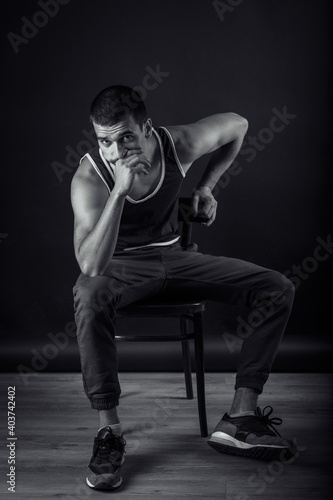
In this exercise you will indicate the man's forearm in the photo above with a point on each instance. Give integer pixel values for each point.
(97, 248)
(219, 162)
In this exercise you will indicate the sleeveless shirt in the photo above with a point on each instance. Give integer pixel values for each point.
(153, 219)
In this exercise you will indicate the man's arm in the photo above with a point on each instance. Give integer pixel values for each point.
(96, 222)
(222, 135)
(97, 215)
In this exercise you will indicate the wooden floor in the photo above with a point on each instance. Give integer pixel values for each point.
(166, 456)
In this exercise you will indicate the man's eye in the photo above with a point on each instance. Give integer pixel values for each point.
(105, 142)
(127, 138)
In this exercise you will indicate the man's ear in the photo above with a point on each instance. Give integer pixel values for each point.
(148, 128)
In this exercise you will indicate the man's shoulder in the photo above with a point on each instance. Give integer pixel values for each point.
(180, 137)
(86, 176)
(177, 132)
(84, 171)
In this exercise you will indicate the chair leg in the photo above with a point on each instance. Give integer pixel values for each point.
(200, 372)
(186, 359)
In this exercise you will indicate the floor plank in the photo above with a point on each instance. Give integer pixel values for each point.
(166, 456)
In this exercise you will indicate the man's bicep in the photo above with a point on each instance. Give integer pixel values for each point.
(209, 134)
(88, 205)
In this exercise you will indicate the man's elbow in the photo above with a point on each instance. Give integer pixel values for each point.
(89, 273)
(87, 267)
(242, 123)
(90, 270)
(245, 124)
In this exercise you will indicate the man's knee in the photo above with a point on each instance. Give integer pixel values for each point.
(278, 288)
(289, 287)
(283, 284)
(95, 292)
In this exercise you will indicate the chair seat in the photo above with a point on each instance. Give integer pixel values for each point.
(162, 307)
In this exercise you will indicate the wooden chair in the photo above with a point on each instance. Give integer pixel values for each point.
(188, 312)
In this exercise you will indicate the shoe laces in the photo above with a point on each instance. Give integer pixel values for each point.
(263, 418)
(107, 445)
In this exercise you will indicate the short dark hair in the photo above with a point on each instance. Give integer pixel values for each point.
(115, 103)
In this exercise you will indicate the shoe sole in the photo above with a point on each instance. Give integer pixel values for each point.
(266, 453)
(104, 481)
(104, 484)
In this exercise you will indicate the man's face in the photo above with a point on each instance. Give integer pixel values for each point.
(116, 140)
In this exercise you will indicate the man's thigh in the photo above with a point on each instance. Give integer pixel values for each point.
(129, 277)
(218, 278)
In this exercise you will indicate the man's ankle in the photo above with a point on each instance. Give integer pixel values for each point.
(241, 414)
(108, 417)
(116, 429)
(245, 400)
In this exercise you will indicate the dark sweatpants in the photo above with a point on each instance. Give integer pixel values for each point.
(137, 274)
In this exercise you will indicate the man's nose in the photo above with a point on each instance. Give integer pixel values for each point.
(118, 153)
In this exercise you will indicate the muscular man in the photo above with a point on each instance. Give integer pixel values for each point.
(125, 202)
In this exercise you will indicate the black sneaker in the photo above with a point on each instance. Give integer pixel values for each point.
(106, 461)
(251, 436)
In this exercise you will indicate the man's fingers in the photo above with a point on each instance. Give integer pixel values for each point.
(210, 221)
(206, 208)
(127, 153)
(131, 152)
(133, 162)
(213, 209)
(195, 204)
(211, 215)
(204, 203)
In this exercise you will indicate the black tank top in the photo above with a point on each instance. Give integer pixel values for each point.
(152, 220)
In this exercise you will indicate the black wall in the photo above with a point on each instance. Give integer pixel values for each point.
(256, 58)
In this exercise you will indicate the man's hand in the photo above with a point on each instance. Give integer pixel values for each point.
(125, 169)
(203, 202)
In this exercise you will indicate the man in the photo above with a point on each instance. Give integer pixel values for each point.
(124, 198)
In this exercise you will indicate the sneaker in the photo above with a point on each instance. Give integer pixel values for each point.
(251, 436)
(105, 463)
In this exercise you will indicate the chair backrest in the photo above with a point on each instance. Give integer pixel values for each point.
(185, 215)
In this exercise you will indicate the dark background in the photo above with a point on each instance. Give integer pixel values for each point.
(264, 54)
